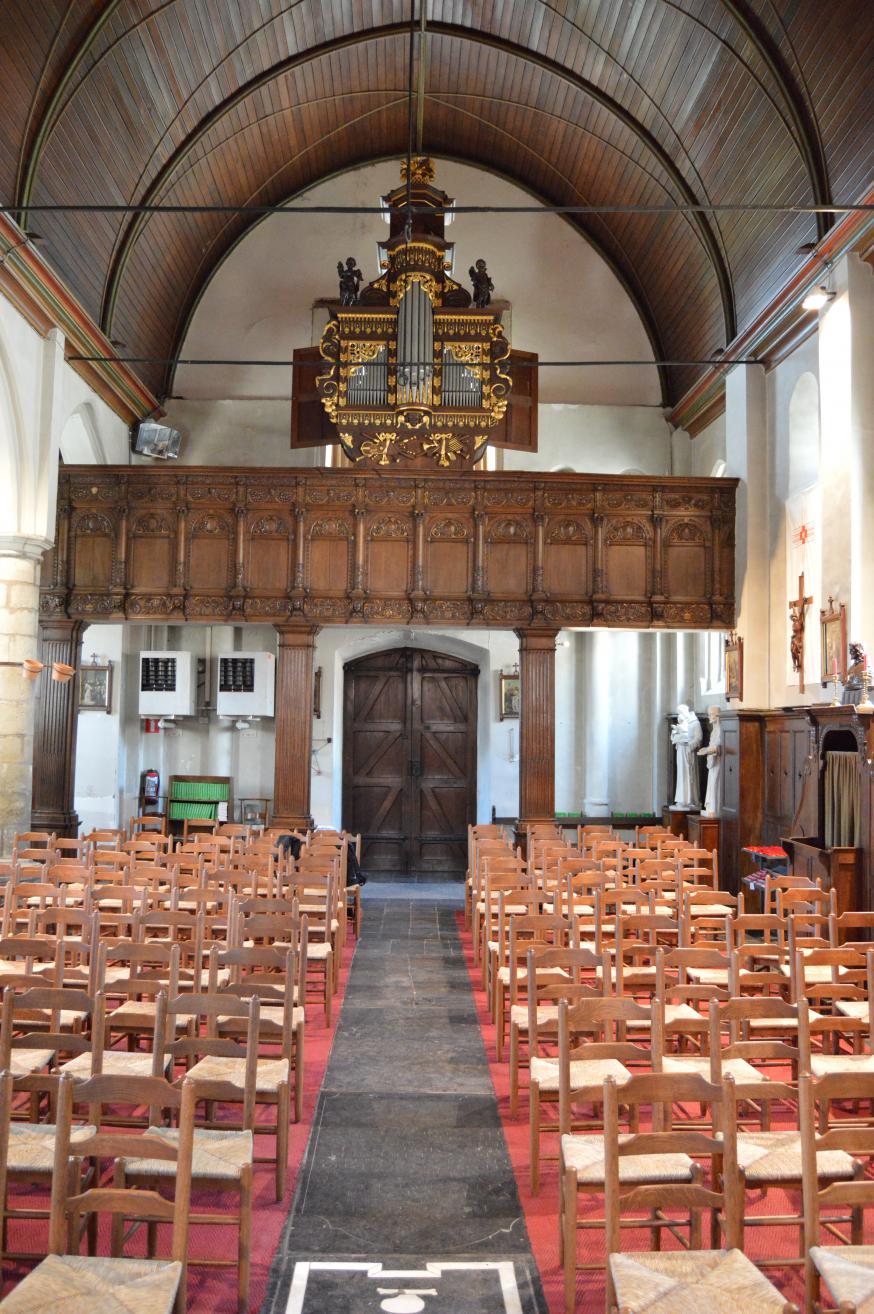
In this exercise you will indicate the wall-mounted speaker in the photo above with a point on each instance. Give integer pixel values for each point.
(149, 438)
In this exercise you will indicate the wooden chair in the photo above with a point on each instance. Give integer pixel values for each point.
(223, 1156)
(583, 1166)
(510, 965)
(552, 974)
(724, 1281)
(198, 825)
(591, 1046)
(34, 1037)
(846, 1269)
(223, 1057)
(276, 976)
(772, 1159)
(153, 823)
(63, 1278)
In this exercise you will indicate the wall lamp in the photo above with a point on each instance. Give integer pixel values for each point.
(31, 668)
(820, 296)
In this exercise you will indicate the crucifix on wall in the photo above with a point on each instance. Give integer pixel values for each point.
(797, 610)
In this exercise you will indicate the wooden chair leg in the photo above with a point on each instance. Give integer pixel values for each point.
(244, 1253)
(282, 1120)
(298, 1071)
(116, 1231)
(514, 1070)
(534, 1136)
(569, 1238)
(499, 1019)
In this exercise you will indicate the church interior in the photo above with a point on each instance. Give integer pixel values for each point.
(436, 720)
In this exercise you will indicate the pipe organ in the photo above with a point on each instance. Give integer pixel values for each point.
(409, 373)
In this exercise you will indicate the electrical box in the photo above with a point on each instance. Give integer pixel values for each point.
(246, 684)
(167, 683)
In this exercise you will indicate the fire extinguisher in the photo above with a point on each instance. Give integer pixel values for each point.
(151, 786)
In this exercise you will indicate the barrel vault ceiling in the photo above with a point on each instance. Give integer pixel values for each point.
(653, 102)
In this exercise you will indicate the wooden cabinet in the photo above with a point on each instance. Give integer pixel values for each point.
(839, 869)
(743, 778)
(787, 745)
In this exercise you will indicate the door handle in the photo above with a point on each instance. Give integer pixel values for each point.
(415, 768)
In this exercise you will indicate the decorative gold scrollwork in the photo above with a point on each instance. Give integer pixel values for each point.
(445, 447)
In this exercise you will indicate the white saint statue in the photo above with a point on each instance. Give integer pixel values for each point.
(713, 753)
(686, 736)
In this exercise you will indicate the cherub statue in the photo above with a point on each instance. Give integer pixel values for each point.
(483, 287)
(350, 280)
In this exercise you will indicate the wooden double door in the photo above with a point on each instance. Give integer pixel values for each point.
(409, 760)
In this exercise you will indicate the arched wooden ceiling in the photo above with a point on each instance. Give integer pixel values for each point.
(580, 101)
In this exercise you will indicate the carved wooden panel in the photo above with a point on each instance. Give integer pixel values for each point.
(330, 546)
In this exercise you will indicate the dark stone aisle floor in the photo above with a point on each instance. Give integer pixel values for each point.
(406, 1200)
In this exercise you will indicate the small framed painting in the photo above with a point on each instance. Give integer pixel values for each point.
(833, 628)
(734, 666)
(509, 706)
(95, 688)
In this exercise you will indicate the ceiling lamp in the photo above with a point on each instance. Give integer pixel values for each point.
(817, 298)
(414, 370)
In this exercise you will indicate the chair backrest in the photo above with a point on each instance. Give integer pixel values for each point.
(816, 1099)
(695, 1195)
(68, 1205)
(148, 822)
(594, 1029)
(270, 975)
(44, 1005)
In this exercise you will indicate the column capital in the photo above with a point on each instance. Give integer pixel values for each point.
(297, 636)
(539, 636)
(29, 546)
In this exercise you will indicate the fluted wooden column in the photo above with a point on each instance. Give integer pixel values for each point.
(54, 733)
(294, 726)
(536, 725)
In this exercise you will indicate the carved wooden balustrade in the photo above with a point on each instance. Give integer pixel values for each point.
(330, 546)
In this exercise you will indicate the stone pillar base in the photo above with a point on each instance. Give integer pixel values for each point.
(290, 821)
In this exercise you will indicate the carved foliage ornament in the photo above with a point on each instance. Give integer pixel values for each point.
(331, 527)
(152, 524)
(92, 523)
(567, 531)
(626, 531)
(508, 531)
(448, 529)
(272, 525)
(389, 527)
(686, 531)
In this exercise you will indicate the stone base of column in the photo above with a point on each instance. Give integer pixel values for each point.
(596, 807)
(63, 824)
(288, 821)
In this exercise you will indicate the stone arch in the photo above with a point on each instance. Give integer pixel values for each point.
(80, 441)
(383, 640)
